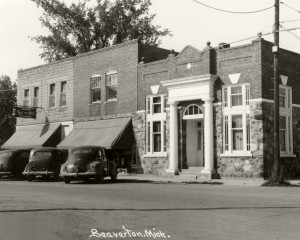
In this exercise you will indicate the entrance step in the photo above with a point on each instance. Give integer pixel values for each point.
(191, 172)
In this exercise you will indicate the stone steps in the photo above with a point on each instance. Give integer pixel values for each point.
(191, 172)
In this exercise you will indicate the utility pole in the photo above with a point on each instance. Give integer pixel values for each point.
(275, 50)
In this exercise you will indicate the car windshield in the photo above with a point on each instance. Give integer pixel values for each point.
(42, 154)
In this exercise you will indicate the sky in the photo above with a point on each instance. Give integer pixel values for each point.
(190, 22)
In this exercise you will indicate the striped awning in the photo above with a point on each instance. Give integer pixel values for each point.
(31, 136)
(114, 133)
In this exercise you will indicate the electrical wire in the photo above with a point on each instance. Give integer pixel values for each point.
(222, 10)
(295, 35)
(290, 7)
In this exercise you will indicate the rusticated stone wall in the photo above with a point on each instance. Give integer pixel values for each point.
(244, 167)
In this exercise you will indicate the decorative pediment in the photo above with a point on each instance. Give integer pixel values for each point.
(154, 89)
(234, 78)
(187, 51)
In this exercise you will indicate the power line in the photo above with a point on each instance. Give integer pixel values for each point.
(222, 10)
(290, 7)
(295, 35)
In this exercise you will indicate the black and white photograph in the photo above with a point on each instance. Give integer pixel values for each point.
(149, 119)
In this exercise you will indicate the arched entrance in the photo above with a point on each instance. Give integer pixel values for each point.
(193, 115)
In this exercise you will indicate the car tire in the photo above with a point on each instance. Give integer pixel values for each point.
(114, 177)
(100, 178)
(67, 181)
(29, 179)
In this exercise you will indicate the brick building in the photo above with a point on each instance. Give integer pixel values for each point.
(209, 111)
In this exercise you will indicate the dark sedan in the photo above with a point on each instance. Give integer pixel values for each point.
(45, 163)
(88, 162)
(13, 162)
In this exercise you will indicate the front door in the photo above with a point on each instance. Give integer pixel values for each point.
(194, 144)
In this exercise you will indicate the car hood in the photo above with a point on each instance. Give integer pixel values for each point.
(5, 164)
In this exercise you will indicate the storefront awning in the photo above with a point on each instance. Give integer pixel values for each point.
(110, 133)
(42, 135)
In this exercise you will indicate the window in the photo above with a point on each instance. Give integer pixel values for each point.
(52, 95)
(285, 120)
(156, 104)
(96, 88)
(63, 93)
(35, 100)
(156, 136)
(236, 96)
(111, 86)
(236, 122)
(26, 97)
(156, 133)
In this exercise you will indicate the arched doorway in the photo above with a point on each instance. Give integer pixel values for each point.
(193, 115)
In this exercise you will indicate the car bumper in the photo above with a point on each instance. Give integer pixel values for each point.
(79, 174)
(39, 173)
(5, 174)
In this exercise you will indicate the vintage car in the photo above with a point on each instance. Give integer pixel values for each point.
(13, 162)
(45, 163)
(88, 162)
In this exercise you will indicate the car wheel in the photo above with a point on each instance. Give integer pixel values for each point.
(100, 178)
(67, 181)
(114, 177)
(29, 179)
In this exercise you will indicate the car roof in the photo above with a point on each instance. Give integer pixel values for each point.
(50, 149)
(15, 150)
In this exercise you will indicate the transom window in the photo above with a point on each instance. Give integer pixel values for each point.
(192, 111)
(96, 88)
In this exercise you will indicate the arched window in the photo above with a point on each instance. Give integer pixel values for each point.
(192, 111)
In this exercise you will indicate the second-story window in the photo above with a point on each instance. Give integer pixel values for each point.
(96, 88)
(52, 95)
(35, 100)
(26, 97)
(111, 86)
(63, 93)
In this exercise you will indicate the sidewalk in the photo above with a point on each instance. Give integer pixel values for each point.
(190, 180)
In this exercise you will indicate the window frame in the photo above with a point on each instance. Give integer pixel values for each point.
(151, 119)
(287, 113)
(63, 93)
(35, 99)
(96, 88)
(26, 96)
(109, 86)
(229, 111)
(52, 95)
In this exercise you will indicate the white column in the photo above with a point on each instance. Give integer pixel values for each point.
(208, 138)
(173, 158)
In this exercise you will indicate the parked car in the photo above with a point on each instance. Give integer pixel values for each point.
(45, 163)
(13, 162)
(88, 162)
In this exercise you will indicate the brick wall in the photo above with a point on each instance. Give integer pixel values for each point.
(42, 77)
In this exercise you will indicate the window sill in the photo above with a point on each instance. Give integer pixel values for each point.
(236, 154)
(151, 155)
(287, 155)
(111, 100)
(95, 103)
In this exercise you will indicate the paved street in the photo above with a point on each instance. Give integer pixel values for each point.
(53, 210)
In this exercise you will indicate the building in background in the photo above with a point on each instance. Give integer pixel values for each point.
(208, 112)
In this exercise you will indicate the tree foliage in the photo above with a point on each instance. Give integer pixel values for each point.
(79, 28)
(7, 102)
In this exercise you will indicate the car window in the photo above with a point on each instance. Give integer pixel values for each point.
(83, 151)
(42, 154)
(24, 155)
